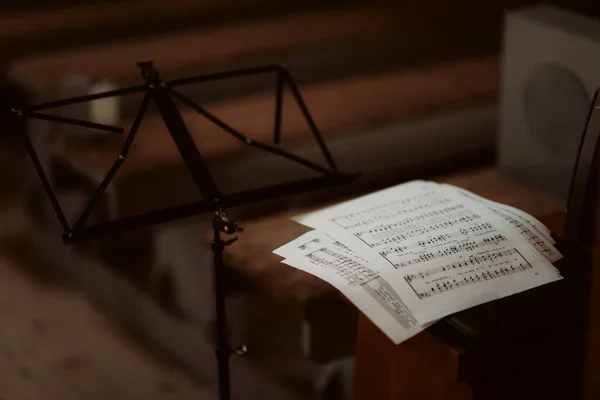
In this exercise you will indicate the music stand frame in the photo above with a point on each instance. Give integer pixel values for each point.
(163, 92)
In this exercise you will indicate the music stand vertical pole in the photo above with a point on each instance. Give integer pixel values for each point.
(223, 350)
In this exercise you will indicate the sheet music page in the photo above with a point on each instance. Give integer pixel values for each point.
(319, 255)
(441, 251)
(525, 216)
(518, 215)
(528, 227)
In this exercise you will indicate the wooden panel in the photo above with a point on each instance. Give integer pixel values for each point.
(420, 368)
(374, 355)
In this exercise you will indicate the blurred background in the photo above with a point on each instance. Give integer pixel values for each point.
(400, 90)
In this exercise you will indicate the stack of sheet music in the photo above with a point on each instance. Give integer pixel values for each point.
(411, 254)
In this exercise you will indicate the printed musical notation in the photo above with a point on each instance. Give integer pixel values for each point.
(424, 240)
(533, 238)
(395, 250)
(476, 229)
(472, 270)
(340, 245)
(417, 226)
(347, 268)
(369, 291)
(306, 245)
(318, 244)
(382, 292)
(379, 211)
(467, 246)
(386, 212)
(429, 226)
(435, 240)
(346, 250)
(420, 217)
(541, 241)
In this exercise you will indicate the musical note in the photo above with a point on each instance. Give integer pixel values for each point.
(477, 228)
(353, 271)
(393, 250)
(467, 246)
(389, 210)
(347, 222)
(406, 229)
(527, 229)
(305, 246)
(533, 238)
(474, 269)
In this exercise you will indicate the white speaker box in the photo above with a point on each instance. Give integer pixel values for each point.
(551, 69)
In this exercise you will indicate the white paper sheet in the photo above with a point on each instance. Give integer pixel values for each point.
(530, 229)
(517, 214)
(319, 255)
(441, 251)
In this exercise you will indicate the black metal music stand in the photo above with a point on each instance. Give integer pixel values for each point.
(163, 92)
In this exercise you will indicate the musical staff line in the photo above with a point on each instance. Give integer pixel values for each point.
(477, 228)
(533, 238)
(451, 250)
(475, 269)
(388, 214)
(347, 268)
(304, 246)
(350, 218)
(394, 232)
